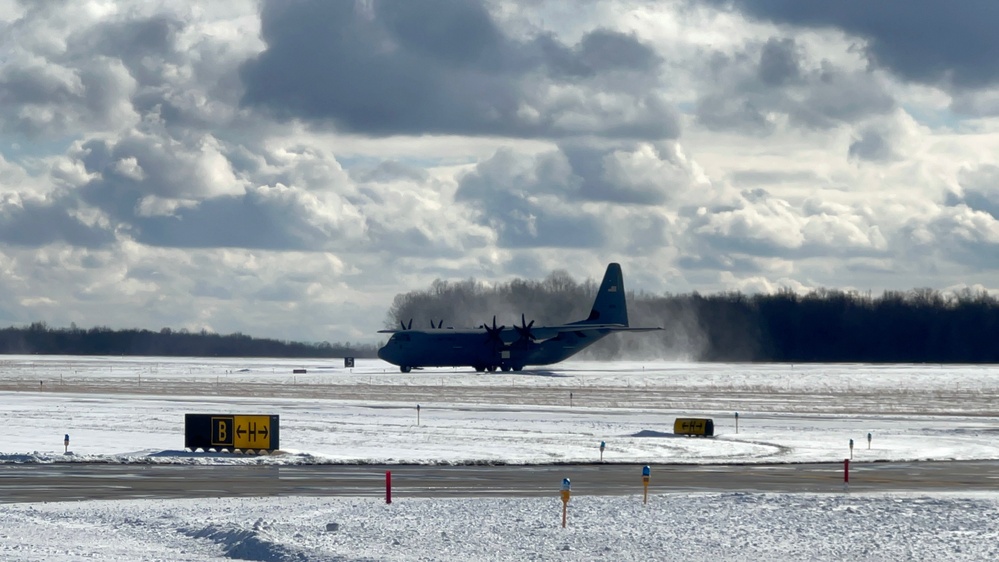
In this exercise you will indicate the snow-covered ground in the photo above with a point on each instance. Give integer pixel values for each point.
(132, 410)
(696, 527)
(125, 409)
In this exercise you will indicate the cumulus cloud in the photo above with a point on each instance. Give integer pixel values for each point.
(521, 198)
(979, 190)
(542, 200)
(761, 224)
(872, 144)
(142, 164)
(957, 235)
(266, 217)
(47, 98)
(886, 138)
(920, 40)
(29, 221)
(763, 85)
(385, 68)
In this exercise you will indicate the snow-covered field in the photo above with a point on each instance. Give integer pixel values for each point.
(132, 410)
(124, 409)
(695, 527)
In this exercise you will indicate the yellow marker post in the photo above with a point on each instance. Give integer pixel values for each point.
(566, 493)
(646, 476)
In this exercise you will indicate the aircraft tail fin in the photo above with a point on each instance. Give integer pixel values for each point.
(610, 306)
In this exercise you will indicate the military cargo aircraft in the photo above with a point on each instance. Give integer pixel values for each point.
(489, 348)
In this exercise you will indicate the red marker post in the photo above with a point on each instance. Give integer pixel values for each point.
(388, 486)
(846, 473)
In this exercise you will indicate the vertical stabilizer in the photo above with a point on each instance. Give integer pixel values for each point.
(609, 306)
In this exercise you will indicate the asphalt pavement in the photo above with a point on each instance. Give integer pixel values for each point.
(84, 481)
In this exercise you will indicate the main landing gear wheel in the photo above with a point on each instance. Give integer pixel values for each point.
(405, 368)
(478, 368)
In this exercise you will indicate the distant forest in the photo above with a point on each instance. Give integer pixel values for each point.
(916, 326)
(38, 338)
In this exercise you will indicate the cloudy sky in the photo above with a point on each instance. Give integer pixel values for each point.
(285, 168)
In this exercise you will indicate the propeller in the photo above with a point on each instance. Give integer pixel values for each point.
(525, 329)
(494, 332)
(405, 326)
(438, 325)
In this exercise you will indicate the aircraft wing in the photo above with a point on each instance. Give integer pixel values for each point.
(614, 327)
(548, 332)
(510, 335)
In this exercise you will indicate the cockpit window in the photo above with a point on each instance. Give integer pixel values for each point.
(401, 337)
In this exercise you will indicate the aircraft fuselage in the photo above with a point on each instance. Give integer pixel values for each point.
(452, 348)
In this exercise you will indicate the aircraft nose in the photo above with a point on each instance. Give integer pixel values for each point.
(383, 354)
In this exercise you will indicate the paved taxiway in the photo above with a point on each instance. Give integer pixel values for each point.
(76, 481)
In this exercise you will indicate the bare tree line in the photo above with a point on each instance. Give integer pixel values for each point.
(38, 338)
(919, 325)
(828, 325)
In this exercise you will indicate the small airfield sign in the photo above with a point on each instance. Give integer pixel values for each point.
(230, 432)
